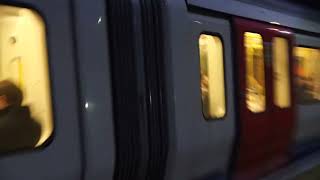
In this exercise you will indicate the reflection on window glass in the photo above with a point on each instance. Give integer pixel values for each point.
(281, 81)
(307, 74)
(212, 76)
(25, 102)
(255, 85)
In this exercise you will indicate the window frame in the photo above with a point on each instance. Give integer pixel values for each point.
(264, 69)
(49, 140)
(298, 102)
(290, 76)
(220, 36)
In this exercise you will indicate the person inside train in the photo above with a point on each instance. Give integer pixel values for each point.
(17, 128)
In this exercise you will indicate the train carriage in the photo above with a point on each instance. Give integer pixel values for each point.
(159, 89)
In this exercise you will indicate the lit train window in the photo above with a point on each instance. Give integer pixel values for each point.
(307, 74)
(255, 80)
(212, 77)
(25, 99)
(281, 78)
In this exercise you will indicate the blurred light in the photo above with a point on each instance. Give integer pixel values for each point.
(278, 30)
(150, 99)
(286, 32)
(86, 105)
(273, 29)
(99, 20)
(198, 22)
(273, 22)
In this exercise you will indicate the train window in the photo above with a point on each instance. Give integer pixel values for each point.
(281, 78)
(255, 80)
(307, 74)
(25, 99)
(212, 76)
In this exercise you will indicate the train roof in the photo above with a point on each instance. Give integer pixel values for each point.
(302, 15)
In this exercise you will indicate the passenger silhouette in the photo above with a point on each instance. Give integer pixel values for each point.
(18, 129)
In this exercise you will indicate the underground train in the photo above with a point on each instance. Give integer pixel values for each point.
(163, 89)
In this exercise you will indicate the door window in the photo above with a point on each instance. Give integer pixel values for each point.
(255, 75)
(281, 78)
(307, 74)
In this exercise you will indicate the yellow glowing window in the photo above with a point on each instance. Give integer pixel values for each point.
(255, 80)
(281, 78)
(307, 74)
(212, 76)
(25, 99)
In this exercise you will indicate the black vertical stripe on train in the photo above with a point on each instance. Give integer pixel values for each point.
(138, 88)
(125, 90)
(128, 95)
(151, 13)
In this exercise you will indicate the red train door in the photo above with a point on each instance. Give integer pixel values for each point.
(266, 115)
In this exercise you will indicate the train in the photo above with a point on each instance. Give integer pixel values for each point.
(163, 89)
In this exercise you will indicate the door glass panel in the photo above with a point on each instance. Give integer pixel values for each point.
(212, 76)
(281, 78)
(307, 74)
(25, 99)
(255, 75)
